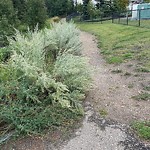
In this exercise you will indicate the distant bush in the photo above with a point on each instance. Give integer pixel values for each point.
(55, 19)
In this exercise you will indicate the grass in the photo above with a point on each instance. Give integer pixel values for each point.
(120, 43)
(146, 88)
(143, 96)
(143, 23)
(142, 129)
(103, 112)
(117, 71)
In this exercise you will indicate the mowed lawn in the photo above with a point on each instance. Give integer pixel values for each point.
(120, 43)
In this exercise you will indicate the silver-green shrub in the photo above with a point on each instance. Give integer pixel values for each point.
(66, 36)
(72, 71)
(68, 77)
(44, 81)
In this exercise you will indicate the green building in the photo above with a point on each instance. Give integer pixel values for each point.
(141, 9)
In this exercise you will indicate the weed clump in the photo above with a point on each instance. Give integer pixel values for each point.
(142, 129)
(143, 96)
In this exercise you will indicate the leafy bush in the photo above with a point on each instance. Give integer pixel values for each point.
(36, 13)
(33, 119)
(44, 79)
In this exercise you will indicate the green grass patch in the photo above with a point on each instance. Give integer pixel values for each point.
(143, 96)
(142, 69)
(142, 129)
(114, 60)
(117, 71)
(147, 88)
(120, 43)
(143, 23)
(103, 112)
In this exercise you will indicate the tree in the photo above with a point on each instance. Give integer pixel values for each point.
(92, 10)
(7, 20)
(120, 5)
(85, 11)
(70, 6)
(59, 8)
(36, 13)
(79, 8)
(147, 1)
(20, 9)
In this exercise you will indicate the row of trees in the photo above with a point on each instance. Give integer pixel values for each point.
(21, 14)
(89, 10)
(106, 7)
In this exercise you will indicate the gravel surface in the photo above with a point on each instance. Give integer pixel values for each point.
(97, 133)
(92, 137)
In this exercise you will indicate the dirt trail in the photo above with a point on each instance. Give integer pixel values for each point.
(110, 92)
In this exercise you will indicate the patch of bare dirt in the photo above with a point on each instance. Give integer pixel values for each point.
(112, 90)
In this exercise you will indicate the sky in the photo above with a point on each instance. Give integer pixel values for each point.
(80, 1)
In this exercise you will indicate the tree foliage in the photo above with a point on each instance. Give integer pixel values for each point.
(36, 13)
(85, 10)
(20, 8)
(120, 5)
(59, 8)
(7, 20)
(147, 1)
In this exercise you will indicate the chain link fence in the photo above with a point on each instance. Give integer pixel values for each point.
(139, 17)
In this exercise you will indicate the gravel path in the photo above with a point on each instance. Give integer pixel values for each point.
(110, 91)
(98, 133)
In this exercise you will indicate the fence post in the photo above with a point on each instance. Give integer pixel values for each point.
(112, 17)
(119, 18)
(101, 19)
(127, 18)
(139, 17)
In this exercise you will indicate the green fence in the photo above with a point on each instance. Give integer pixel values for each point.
(139, 17)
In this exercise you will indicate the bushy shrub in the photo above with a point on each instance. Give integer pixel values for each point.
(66, 37)
(44, 71)
(71, 70)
